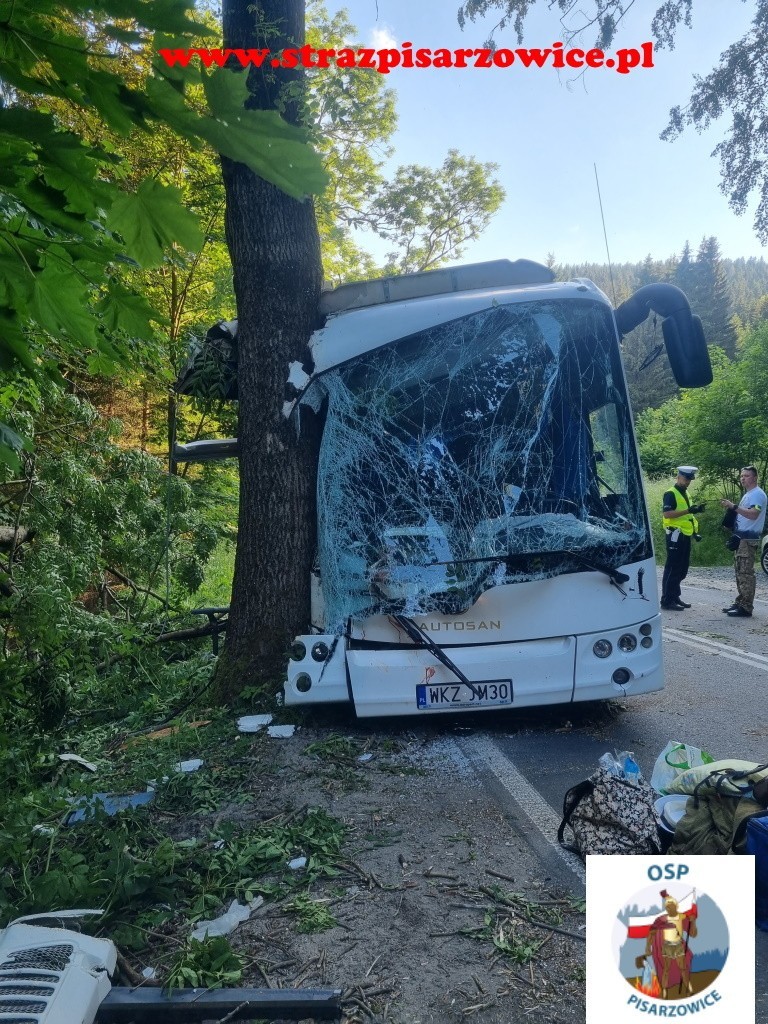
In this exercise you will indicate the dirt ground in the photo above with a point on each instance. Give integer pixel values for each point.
(442, 911)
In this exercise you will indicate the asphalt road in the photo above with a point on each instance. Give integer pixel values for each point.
(716, 672)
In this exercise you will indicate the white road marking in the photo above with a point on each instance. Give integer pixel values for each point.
(724, 590)
(715, 647)
(541, 816)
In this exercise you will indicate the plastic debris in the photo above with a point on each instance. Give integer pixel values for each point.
(631, 769)
(365, 758)
(281, 731)
(150, 973)
(109, 803)
(297, 863)
(226, 922)
(44, 830)
(192, 765)
(253, 723)
(76, 759)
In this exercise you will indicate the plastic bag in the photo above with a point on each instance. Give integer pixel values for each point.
(675, 759)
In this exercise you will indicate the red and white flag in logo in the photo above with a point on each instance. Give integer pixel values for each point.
(639, 927)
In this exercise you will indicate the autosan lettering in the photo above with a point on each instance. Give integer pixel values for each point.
(436, 627)
(656, 1009)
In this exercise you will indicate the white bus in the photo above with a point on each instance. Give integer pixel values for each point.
(483, 538)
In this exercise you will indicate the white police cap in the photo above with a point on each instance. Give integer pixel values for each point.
(689, 471)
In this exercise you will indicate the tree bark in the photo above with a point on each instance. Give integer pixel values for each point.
(275, 251)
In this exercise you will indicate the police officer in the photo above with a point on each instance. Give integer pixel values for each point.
(680, 524)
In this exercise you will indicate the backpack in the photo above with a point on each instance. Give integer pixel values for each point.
(606, 814)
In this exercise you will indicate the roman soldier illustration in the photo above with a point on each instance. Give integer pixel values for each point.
(667, 943)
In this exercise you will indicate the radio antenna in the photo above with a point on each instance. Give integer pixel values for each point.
(605, 234)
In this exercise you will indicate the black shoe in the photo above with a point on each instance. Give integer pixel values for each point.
(730, 608)
(672, 606)
(739, 613)
(683, 604)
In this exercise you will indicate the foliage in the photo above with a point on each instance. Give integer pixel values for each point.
(68, 223)
(736, 86)
(335, 748)
(501, 931)
(206, 963)
(714, 287)
(721, 427)
(314, 915)
(110, 529)
(429, 214)
(179, 852)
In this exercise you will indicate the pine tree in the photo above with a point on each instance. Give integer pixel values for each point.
(711, 297)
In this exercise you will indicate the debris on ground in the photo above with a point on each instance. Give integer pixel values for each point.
(227, 922)
(106, 803)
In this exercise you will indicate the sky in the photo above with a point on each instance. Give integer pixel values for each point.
(547, 131)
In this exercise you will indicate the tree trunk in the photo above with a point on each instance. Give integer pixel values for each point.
(275, 250)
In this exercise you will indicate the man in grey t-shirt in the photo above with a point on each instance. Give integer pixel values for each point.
(750, 520)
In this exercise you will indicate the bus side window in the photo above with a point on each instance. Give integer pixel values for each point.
(609, 450)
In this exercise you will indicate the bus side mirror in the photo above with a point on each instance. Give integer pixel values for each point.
(682, 330)
(687, 349)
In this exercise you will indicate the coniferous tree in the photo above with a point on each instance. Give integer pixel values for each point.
(711, 298)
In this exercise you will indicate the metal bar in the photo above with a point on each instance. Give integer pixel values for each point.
(183, 1006)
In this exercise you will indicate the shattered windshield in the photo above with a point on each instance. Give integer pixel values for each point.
(492, 449)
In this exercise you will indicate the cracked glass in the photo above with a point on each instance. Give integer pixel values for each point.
(494, 449)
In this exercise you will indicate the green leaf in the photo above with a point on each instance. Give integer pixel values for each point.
(126, 311)
(70, 167)
(151, 220)
(13, 345)
(11, 445)
(261, 139)
(15, 281)
(59, 304)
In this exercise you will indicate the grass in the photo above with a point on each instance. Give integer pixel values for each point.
(216, 589)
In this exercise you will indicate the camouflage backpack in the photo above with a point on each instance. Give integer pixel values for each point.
(606, 814)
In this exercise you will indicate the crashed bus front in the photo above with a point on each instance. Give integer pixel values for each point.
(483, 539)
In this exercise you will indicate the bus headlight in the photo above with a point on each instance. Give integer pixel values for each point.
(602, 648)
(320, 651)
(647, 642)
(298, 651)
(303, 682)
(621, 676)
(646, 629)
(627, 643)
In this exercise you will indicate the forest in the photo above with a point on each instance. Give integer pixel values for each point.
(116, 257)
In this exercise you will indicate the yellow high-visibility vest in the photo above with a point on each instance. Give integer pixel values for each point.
(686, 524)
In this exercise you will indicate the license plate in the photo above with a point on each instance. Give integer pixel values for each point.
(443, 696)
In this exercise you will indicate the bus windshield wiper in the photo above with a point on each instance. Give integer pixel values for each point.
(614, 575)
(421, 639)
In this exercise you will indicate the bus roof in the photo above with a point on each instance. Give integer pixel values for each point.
(353, 332)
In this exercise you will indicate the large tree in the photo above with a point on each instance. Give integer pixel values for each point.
(736, 86)
(275, 249)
